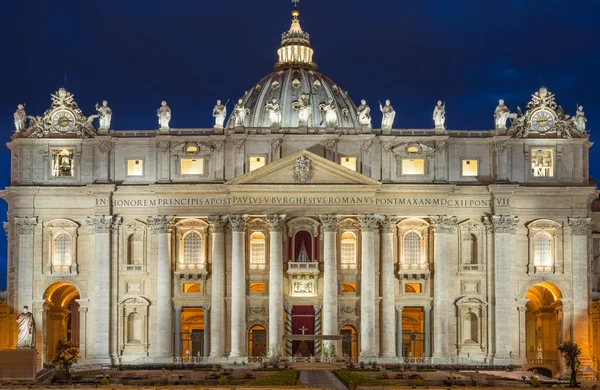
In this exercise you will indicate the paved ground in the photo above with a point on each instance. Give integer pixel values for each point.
(322, 379)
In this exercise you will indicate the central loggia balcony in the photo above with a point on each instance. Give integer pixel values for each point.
(295, 268)
(191, 270)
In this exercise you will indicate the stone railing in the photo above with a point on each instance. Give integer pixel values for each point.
(472, 267)
(544, 362)
(303, 268)
(191, 271)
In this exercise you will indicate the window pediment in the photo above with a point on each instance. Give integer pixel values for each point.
(194, 149)
(413, 149)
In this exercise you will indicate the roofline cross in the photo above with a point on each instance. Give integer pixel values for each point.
(295, 3)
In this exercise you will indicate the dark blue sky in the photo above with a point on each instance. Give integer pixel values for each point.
(136, 53)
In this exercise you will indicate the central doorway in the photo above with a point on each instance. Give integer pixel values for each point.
(61, 317)
(257, 341)
(303, 323)
(349, 341)
(413, 335)
(192, 332)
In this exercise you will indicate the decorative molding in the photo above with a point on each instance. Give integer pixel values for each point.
(504, 224)
(276, 222)
(26, 225)
(276, 144)
(580, 226)
(388, 224)
(163, 146)
(331, 144)
(217, 223)
(329, 222)
(106, 146)
(386, 146)
(100, 223)
(160, 224)
(367, 145)
(116, 225)
(498, 146)
(238, 222)
(239, 144)
(444, 224)
(441, 147)
(369, 222)
(218, 146)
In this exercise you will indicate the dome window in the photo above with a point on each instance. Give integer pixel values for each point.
(296, 84)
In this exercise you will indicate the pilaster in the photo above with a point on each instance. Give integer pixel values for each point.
(25, 229)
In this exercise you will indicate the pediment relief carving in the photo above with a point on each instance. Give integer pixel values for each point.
(192, 148)
(303, 223)
(134, 301)
(413, 149)
(257, 224)
(543, 224)
(412, 223)
(136, 227)
(62, 223)
(192, 223)
(349, 224)
(472, 227)
(471, 301)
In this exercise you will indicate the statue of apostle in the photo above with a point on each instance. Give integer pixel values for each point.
(219, 113)
(104, 115)
(164, 115)
(20, 119)
(364, 114)
(439, 115)
(274, 111)
(388, 115)
(501, 115)
(304, 109)
(239, 114)
(26, 337)
(580, 119)
(330, 111)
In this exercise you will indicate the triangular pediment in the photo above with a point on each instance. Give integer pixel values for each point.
(303, 168)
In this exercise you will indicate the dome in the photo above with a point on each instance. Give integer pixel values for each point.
(294, 75)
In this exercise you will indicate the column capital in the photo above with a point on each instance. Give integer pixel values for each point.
(217, 223)
(444, 223)
(399, 309)
(329, 222)
(276, 222)
(116, 225)
(177, 309)
(388, 224)
(237, 222)
(160, 223)
(83, 309)
(369, 222)
(427, 309)
(100, 223)
(317, 308)
(205, 307)
(580, 226)
(522, 308)
(26, 225)
(501, 224)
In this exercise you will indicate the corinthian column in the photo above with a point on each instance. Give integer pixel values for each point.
(388, 280)
(238, 286)
(161, 226)
(217, 313)
(580, 230)
(368, 347)
(24, 261)
(443, 226)
(330, 283)
(276, 224)
(503, 226)
(99, 317)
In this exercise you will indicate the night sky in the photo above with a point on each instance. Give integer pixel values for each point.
(137, 53)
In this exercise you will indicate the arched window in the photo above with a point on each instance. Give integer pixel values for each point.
(542, 250)
(134, 329)
(348, 250)
(63, 251)
(471, 328)
(412, 248)
(135, 251)
(257, 250)
(192, 248)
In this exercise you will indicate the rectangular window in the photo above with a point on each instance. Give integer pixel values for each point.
(191, 287)
(257, 162)
(412, 288)
(63, 163)
(135, 167)
(349, 162)
(192, 166)
(470, 167)
(542, 163)
(257, 287)
(413, 166)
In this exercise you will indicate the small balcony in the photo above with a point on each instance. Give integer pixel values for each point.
(473, 268)
(306, 268)
(61, 270)
(191, 270)
(414, 271)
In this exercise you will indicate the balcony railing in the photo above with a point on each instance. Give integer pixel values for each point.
(257, 266)
(348, 266)
(414, 271)
(303, 268)
(191, 270)
(472, 267)
(134, 267)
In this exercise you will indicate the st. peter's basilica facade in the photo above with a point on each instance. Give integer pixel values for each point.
(297, 216)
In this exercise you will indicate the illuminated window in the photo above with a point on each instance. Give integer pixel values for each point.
(192, 248)
(257, 287)
(191, 288)
(192, 166)
(542, 163)
(63, 163)
(135, 168)
(542, 250)
(257, 162)
(412, 166)
(191, 149)
(412, 248)
(257, 250)
(412, 288)
(63, 251)
(349, 287)
(413, 149)
(470, 167)
(348, 251)
(349, 162)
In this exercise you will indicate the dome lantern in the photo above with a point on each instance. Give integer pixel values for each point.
(295, 48)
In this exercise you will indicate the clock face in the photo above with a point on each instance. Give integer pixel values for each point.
(542, 121)
(63, 121)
